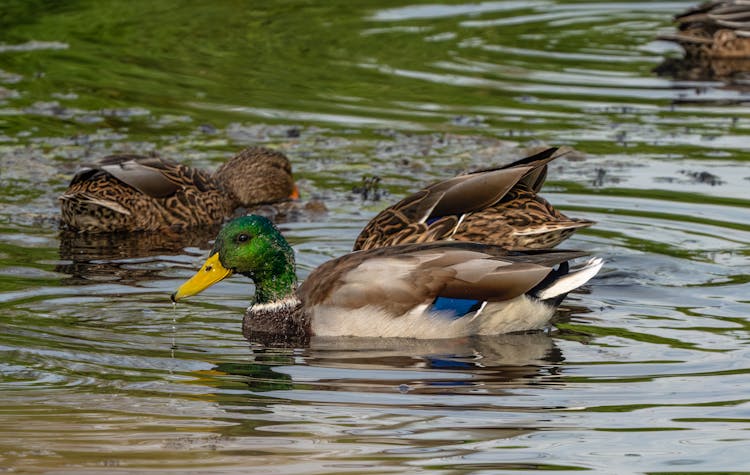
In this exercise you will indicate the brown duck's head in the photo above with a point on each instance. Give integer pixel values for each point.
(258, 175)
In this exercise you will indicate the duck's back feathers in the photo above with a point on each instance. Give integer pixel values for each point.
(716, 38)
(134, 193)
(496, 205)
(159, 178)
(702, 22)
(402, 277)
(523, 220)
(153, 176)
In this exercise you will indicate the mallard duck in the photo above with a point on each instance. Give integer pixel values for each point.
(429, 290)
(137, 193)
(495, 206)
(716, 39)
(719, 29)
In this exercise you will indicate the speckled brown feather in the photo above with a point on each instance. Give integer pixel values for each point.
(497, 206)
(523, 220)
(136, 193)
(718, 29)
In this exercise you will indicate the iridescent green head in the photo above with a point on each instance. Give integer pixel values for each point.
(251, 246)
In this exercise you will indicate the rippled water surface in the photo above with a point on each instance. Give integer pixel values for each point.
(646, 369)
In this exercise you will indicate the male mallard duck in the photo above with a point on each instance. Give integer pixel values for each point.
(716, 39)
(137, 193)
(432, 290)
(495, 206)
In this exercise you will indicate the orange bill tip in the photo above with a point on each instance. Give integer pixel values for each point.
(294, 195)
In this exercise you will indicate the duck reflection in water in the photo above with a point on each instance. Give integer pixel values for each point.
(127, 258)
(494, 363)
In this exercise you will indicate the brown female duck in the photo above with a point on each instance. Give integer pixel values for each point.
(716, 39)
(496, 206)
(137, 193)
(718, 29)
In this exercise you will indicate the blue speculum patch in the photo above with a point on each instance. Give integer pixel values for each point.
(459, 307)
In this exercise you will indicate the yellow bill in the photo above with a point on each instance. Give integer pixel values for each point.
(211, 273)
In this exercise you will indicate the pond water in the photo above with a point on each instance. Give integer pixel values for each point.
(646, 370)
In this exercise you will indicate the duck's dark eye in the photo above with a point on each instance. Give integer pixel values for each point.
(243, 237)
